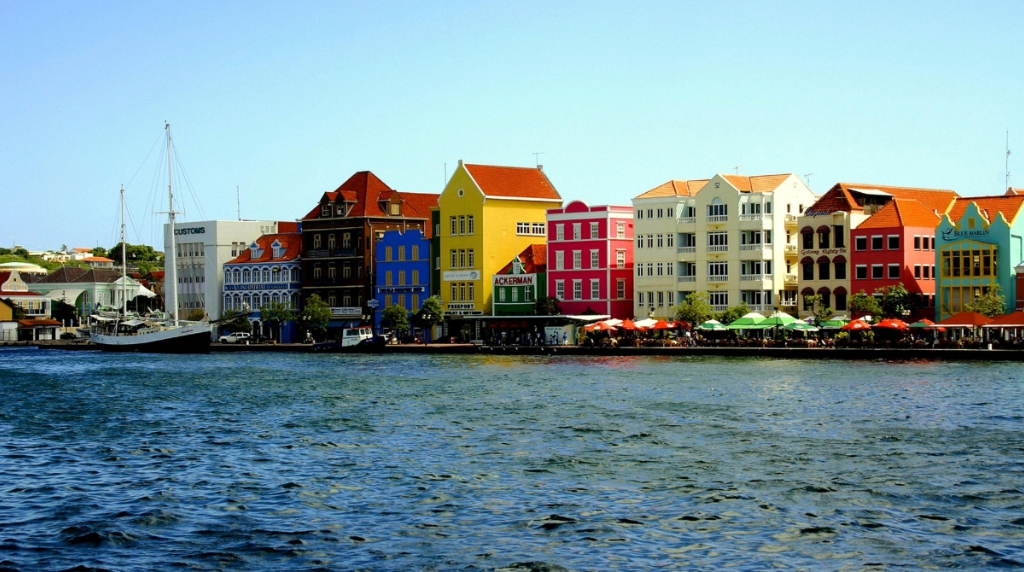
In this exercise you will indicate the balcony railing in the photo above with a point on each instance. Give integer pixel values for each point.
(749, 217)
(752, 277)
(687, 220)
(718, 248)
(687, 250)
(719, 307)
(718, 218)
(686, 279)
(335, 252)
(754, 246)
(720, 278)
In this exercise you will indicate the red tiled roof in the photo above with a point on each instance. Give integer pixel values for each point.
(840, 199)
(1009, 205)
(513, 182)
(902, 213)
(675, 188)
(757, 183)
(38, 322)
(365, 192)
(1014, 191)
(291, 242)
(534, 259)
(97, 259)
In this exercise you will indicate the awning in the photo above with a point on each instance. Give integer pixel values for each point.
(839, 290)
(823, 259)
(824, 229)
(101, 318)
(66, 295)
(807, 292)
(807, 260)
(839, 259)
(824, 291)
(806, 230)
(143, 291)
(133, 323)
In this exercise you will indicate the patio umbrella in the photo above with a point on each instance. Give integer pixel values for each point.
(778, 319)
(599, 327)
(662, 325)
(799, 326)
(892, 324)
(834, 323)
(711, 326)
(925, 323)
(744, 323)
(645, 323)
(628, 324)
(856, 326)
(1014, 320)
(965, 320)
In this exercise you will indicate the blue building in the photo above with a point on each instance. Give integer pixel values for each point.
(267, 272)
(403, 271)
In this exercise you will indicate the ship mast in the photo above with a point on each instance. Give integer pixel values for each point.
(171, 274)
(124, 263)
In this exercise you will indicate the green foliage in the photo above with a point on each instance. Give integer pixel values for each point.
(276, 314)
(396, 319)
(100, 251)
(862, 305)
(315, 315)
(235, 321)
(730, 315)
(136, 253)
(63, 312)
(196, 315)
(547, 306)
(18, 313)
(695, 309)
(821, 313)
(896, 301)
(992, 303)
(431, 314)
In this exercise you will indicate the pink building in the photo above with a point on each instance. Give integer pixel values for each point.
(590, 259)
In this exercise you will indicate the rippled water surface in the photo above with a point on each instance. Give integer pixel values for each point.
(295, 462)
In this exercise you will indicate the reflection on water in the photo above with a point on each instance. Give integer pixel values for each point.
(285, 462)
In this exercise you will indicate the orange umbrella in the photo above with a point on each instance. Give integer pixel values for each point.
(599, 327)
(628, 324)
(892, 324)
(661, 325)
(856, 326)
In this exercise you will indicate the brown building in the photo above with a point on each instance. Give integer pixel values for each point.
(339, 237)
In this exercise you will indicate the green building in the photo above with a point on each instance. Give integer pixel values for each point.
(518, 283)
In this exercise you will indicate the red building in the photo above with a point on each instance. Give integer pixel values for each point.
(897, 245)
(590, 259)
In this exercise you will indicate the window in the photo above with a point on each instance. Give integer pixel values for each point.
(717, 209)
(639, 213)
(661, 269)
(668, 268)
(894, 242)
(577, 259)
(719, 240)
(650, 213)
(462, 291)
(650, 269)
(894, 271)
(650, 241)
(415, 301)
(539, 229)
(620, 289)
(454, 225)
(387, 278)
(661, 298)
(876, 243)
(808, 271)
(559, 232)
(387, 254)
(823, 240)
(620, 258)
(515, 294)
(860, 243)
(455, 292)
(346, 240)
(576, 230)
(316, 271)
(808, 241)
(559, 260)
(455, 260)
(595, 289)
(670, 240)
(577, 289)
(718, 268)
(415, 252)
(331, 271)
(595, 259)
(469, 224)
(823, 270)
(719, 298)
(924, 273)
(917, 267)
(387, 301)
(396, 209)
(917, 242)
(401, 277)
(462, 258)
(840, 301)
(660, 213)
(462, 224)
(639, 269)
(401, 253)
(837, 233)
(639, 241)
(469, 259)
(840, 271)
(861, 272)
(620, 230)
(560, 289)
(527, 294)
(929, 243)
(876, 272)
(316, 242)
(325, 210)
(594, 230)
(415, 277)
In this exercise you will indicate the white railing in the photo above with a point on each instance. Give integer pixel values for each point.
(759, 307)
(791, 279)
(687, 220)
(687, 249)
(750, 277)
(754, 246)
(718, 218)
(686, 278)
(749, 217)
(719, 307)
(719, 248)
(718, 278)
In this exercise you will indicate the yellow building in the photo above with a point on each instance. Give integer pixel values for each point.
(488, 216)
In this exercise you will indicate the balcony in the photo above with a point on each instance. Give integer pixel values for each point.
(332, 253)
(687, 250)
(790, 220)
(749, 217)
(754, 277)
(792, 249)
(718, 248)
(791, 279)
(686, 278)
(719, 307)
(687, 220)
(718, 218)
(724, 278)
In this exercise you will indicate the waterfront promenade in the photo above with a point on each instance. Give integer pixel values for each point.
(841, 353)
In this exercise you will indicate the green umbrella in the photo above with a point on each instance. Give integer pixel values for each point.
(711, 326)
(922, 324)
(800, 326)
(833, 324)
(747, 322)
(778, 319)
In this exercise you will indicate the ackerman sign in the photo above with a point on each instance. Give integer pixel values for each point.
(515, 280)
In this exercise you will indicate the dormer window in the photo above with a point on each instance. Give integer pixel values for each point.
(325, 210)
(396, 209)
(340, 211)
(277, 249)
(254, 251)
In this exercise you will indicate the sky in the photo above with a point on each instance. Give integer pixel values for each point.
(271, 104)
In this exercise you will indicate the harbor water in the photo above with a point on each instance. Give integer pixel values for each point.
(345, 462)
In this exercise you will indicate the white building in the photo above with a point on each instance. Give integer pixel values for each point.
(732, 236)
(203, 248)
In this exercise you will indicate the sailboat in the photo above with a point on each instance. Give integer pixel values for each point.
(119, 330)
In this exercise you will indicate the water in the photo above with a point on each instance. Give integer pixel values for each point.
(295, 462)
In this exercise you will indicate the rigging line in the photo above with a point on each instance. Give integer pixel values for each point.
(188, 182)
(144, 161)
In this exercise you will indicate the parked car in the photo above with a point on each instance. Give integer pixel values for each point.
(235, 338)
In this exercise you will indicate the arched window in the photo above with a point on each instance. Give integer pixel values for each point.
(266, 275)
(245, 275)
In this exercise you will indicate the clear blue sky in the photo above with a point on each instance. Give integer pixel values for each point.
(286, 100)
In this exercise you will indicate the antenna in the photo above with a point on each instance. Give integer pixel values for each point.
(736, 169)
(536, 157)
(1007, 167)
(807, 179)
(238, 202)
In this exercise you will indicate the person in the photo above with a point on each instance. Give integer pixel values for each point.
(565, 339)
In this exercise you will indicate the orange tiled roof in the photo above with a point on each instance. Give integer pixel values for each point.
(675, 188)
(514, 182)
(291, 243)
(840, 199)
(902, 213)
(1014, 191)
(534, 259)
(757, 183)
(1009, 205)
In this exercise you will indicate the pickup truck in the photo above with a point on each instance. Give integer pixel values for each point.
(235, 338)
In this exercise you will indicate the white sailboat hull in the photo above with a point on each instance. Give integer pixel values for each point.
(192, 338)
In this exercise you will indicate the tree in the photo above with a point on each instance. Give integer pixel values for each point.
(396, 319)
(695, 309)
(991, 303)
(100, 251)
(315, 316)
(17, 312)
(235, 321)
(546, 306)
(896, 301)
(430, 315)
(730, 315)
(63, 312)
(863, 305)
(276, 314)
(821, 312)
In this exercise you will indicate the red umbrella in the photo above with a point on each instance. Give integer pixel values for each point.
(966, 320)
(892, 324)
(856, 326)
(661, 325)
(1014, 320)
(628, 324)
